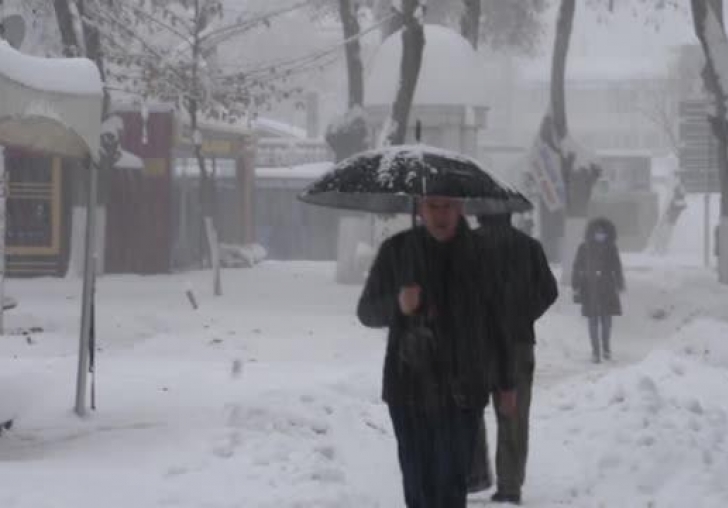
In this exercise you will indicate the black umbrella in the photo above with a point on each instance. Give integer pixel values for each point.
(386, 181)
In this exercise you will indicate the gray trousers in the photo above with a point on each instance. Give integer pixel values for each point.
(512, 452)
(603, 324)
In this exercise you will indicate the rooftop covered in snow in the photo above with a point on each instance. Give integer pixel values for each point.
(49, 104)
(452, 73)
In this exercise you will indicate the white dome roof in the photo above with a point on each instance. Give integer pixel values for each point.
(451, 73)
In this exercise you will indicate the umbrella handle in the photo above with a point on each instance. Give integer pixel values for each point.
(418, 131)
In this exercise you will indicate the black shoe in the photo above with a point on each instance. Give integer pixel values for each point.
(479, 485)
(500, 497)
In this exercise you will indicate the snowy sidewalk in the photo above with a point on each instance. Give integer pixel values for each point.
(302, 425)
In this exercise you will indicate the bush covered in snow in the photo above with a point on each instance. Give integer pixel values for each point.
(241, 256)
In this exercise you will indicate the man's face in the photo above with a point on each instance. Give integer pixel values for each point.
(441, 217)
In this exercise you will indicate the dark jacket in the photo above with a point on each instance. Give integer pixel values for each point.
(530, 285)
(461, 298)
(597, 275)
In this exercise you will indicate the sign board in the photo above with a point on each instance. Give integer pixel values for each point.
(698, 148)
(546, 169)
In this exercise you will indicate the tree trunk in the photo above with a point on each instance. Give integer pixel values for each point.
(65, 26)
(207, 222)
(470, 22)
(65, 17)
(348, 134)
(718, 121)
(413, 45)
(578, 181)
(564, 26)
(702, 10)
(355, 70)
(207, 214)
(383, 9)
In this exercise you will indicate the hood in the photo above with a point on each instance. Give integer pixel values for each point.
(605, 225)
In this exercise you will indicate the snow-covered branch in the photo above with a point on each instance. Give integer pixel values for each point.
(77, 24)
(217, 35)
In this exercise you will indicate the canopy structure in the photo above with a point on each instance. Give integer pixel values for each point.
(53, 105)
(50, 105)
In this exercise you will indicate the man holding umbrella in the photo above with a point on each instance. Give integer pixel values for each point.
(433, 291)
(436, 290)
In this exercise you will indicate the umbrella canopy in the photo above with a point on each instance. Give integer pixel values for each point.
(386, 181)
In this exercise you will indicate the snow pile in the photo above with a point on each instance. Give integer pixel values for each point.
(583, 158)
(309, 171)
(347, 122)
(277, 128)
(688, 239)
(651, 434)
(704, 341)
(70, 75)
(12, 394)
(242, 256)
(129, 161)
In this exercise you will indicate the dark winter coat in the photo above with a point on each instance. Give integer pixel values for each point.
(461, 299)
(597, 276)
(530, 285)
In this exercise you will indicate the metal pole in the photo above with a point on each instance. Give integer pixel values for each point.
(706, 201)
(89, 275)
(706, 252)
(2, 239)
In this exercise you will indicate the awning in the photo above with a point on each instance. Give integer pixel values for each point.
(53, 105)
(50, 105)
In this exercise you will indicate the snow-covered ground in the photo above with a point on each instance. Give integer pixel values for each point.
(269, 396)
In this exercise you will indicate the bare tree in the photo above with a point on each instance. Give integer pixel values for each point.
(347, 135)
(470, 21)
(171, 51)
(516, 25)
(355, 69)
(709, 28)
(413, 46)
(513, 25)
(80, 38)
(578, 172)
(659, 110)
(578, 181)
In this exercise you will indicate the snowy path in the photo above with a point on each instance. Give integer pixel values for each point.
(301, 424)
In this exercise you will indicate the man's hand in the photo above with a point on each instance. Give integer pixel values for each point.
(507, 406)
(410, 299)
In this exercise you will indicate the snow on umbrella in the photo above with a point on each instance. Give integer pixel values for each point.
(386, 181)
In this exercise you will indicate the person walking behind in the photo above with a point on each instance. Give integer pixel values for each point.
(597, 280)
(532, 289)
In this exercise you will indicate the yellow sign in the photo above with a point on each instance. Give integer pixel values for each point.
(217, 147)
(155, 167)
